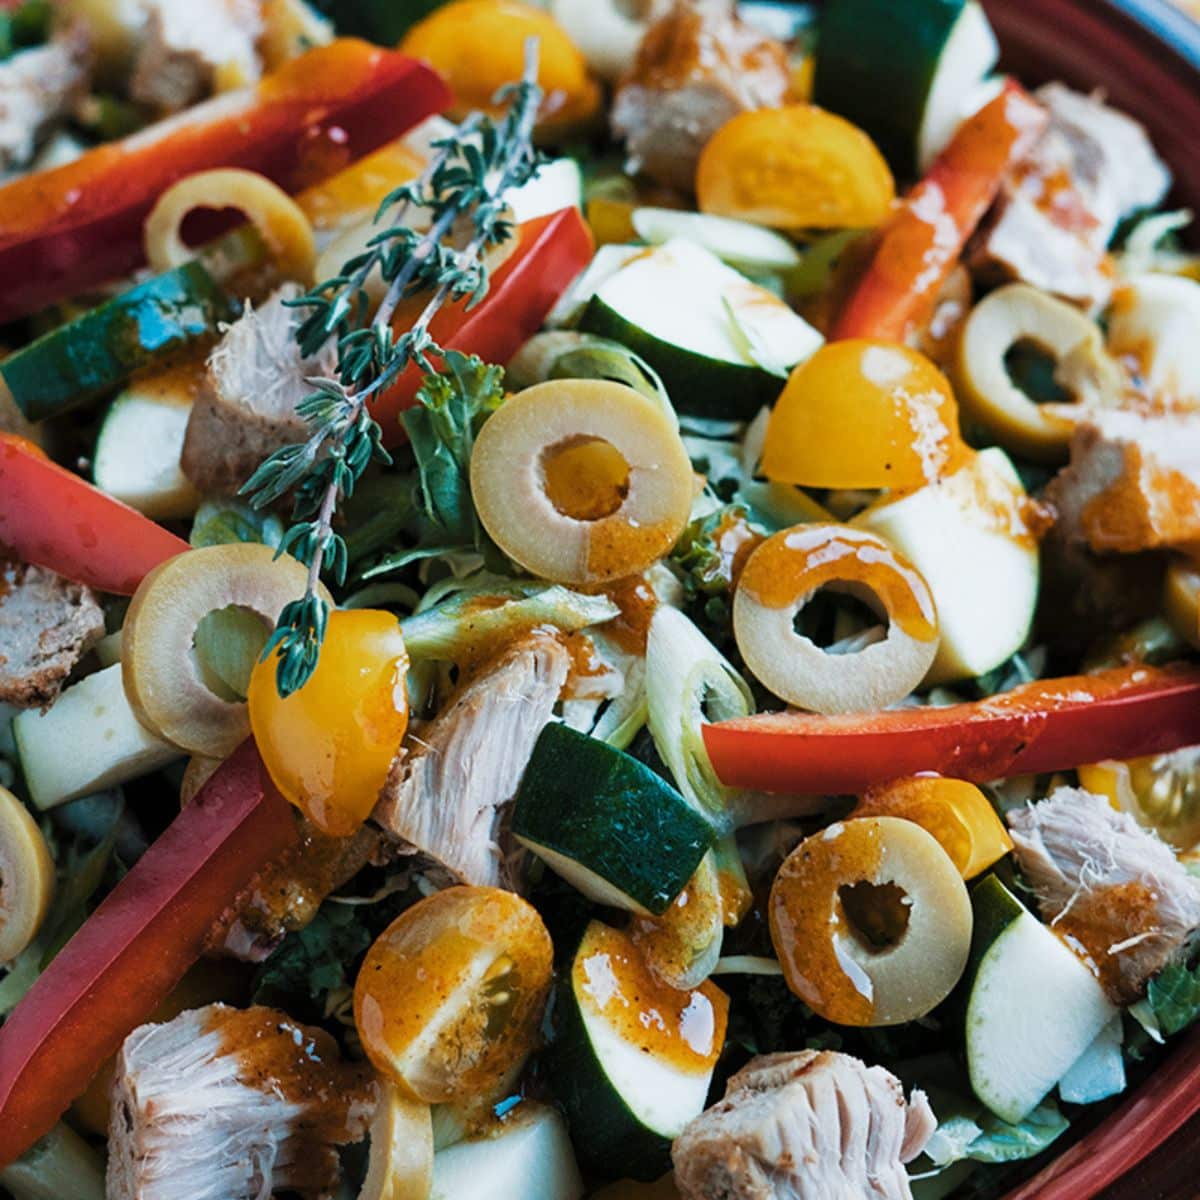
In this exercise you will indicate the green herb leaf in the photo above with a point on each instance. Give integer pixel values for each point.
(1174, 997)
(452, 407)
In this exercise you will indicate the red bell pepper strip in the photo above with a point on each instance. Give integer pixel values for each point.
(551, 251)
(51, 517)
(79, 225)
(137, 945)
(1049, 725)
(923, 240)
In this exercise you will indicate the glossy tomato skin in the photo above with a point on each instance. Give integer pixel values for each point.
(329, 746)
(450, 997)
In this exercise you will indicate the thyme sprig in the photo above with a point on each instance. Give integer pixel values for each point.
(462, 191)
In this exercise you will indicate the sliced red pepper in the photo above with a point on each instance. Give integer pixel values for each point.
(137, 945)
(551, 251)
(51, 517)
(920, 244)
(79, 225)
(1050, 725)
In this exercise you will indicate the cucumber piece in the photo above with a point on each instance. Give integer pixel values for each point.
(625, 1096)
(527, 1157)
(1099, 1072)
(606, 823)
(736, 242)
(100, 350)
(903, 72)
(136, 459)
(717, 341)
(88, 740)
(558, 184)
(1033, 1007)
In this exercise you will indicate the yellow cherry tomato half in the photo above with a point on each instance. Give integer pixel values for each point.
(1161, 791)
(479, 46)
(794, 167)
(957, 813)
(864, 414)
(329, 745)
(449, 998)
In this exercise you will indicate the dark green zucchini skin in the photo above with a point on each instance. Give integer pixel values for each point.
(605, 810)
(697, 386)
(609, 1140)
(876, 60)
(100, 350)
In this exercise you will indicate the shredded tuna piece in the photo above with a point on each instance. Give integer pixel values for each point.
(47, 624)
(190, 47)
(37, 86)
(1062, 203)
(247, 406)
(1133, 482)
(228, 1104)
(695, 69)
(813, 1125)
(1115, 891)
(449, 786)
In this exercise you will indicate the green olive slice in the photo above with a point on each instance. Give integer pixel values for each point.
(1019, 314)
(581, 480)
(165, 680)
(26, 877)
(782, 576)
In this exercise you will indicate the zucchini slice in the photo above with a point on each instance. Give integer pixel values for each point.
(140, 442)
(719, 342)
(904, 72)
(100, 350)
(606, 823)
(736, 242)
(631, 1060)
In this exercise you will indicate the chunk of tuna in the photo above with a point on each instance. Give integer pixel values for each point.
(1114, 890)
(47, 624)
(811, 1125)
(449, 787)
(695, 69)
(246, 408)
(1061, 204)
(1133, 482)
(37, 86)
(189, 47)
(229, 1104)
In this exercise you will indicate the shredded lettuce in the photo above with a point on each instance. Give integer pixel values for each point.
(985, 1138)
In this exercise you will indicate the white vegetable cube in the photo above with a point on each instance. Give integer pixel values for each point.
(88, 740)
(969, 537)
(529, 1158)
